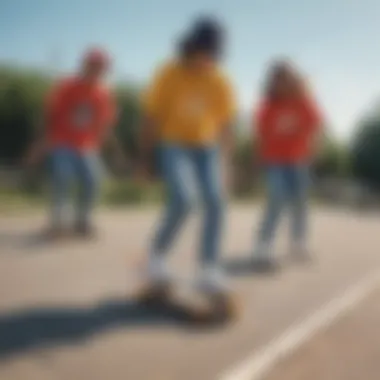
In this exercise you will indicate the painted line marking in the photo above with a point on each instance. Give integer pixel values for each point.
(257, 365)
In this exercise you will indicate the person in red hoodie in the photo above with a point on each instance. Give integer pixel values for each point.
(78, 115)
(286, 125)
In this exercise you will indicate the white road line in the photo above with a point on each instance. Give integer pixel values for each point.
(257, 365)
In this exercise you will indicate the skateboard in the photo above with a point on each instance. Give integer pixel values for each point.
(189, 305)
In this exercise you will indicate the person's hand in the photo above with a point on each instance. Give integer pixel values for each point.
(254, 161)
(226, 170)
(141, 173)
(33, 157)
(120, 161)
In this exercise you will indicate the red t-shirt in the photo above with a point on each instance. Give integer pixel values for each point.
(285, 130)
(78, 114)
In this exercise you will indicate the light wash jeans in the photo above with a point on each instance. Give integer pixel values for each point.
(204, 164)
(70, 167)
(287, 186)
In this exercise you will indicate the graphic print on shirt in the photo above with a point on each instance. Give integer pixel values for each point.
(287, 124)
(83, 115)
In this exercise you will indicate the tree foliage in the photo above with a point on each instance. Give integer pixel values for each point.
(365, 152)
(21, 99)
(332, 159)
(22, 95)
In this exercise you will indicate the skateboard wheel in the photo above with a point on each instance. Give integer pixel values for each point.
(219, 309)
(224, 307)
(201, 315)
(154, 295)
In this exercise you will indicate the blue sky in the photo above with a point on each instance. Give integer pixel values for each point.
(334, 41)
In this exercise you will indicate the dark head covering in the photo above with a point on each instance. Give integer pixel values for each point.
(98, 57)
(206, 35)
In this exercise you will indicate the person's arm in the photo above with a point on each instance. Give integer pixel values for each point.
(227, 120)
(39, 145)
(228, 140)
(107, 117)
(108, 137)
(147, 141)
(227, 116)
(107, 124)
(227, 153)
(258, 131)
(316, 127)
(117, 153)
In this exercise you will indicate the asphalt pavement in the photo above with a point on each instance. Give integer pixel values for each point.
(67, 310)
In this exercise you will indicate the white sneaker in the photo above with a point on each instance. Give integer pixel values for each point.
(212, 280)
(157, 270)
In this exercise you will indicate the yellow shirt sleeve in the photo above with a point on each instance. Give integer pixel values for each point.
(227, 101)
(156, 93)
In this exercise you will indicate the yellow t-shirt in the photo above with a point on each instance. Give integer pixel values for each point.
(190, 108)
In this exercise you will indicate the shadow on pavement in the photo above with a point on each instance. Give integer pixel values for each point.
(12, 240)
(246, 266)
(44, 328)
(34, 241)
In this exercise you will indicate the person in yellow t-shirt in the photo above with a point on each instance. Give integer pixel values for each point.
(189, 108)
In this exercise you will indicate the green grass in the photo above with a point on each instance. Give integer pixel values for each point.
(17, 200)
(115, 194)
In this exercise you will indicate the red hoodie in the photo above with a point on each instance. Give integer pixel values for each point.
(285, 130)
(78, 114)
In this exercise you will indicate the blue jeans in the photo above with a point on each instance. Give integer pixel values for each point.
(287, 185)
(204, 162)
(68, 166)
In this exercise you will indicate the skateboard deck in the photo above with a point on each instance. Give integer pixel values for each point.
(185, 303)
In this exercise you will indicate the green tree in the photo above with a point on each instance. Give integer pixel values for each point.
(22, 95)
(21, 99)
(332, 159)
(365, 152)
(129, 115)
